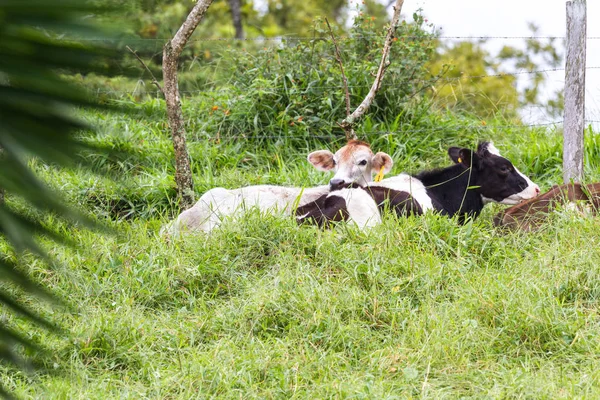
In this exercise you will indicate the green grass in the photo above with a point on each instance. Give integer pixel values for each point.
(417, 307)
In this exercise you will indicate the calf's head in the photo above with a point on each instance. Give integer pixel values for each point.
(353, 163)
(496, 179)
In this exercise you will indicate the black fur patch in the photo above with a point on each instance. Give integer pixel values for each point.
(453, 191)
(326, 209)
(400, 202)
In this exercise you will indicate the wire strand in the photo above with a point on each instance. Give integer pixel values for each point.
(325, 38)
(334, 87)
(196, 138)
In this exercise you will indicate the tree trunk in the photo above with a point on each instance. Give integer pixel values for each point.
(183, 171)
(236, 17)
(171, 52)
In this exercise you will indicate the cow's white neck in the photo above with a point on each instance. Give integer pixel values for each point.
(409, 184)
(308, 195)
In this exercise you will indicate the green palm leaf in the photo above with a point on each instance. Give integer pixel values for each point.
(38, 42)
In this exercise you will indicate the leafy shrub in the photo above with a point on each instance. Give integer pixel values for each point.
(295, 89)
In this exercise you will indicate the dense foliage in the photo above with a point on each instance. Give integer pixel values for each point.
(296, 89)
(466, 76)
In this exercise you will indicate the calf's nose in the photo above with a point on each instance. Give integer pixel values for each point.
(537, 190)
(336, 184)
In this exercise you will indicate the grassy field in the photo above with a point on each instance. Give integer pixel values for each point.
(417, 307)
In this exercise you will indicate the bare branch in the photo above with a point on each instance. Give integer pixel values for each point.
(349, 121)
(338, 56)
(154, 81)
(189, 26)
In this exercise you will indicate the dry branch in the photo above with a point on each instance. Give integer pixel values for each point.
(338, 56)
(348, 123)
(154, 81)
(171, 52)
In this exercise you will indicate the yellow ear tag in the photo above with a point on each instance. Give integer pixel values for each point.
(379, 175)
(459, 159)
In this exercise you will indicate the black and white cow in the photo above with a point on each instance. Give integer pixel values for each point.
(476, 178)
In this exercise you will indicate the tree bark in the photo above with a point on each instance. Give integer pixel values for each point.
(348, 123)
(171, 52)
(236, 17)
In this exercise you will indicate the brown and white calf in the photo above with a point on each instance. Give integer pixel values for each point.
(529, 215)
(354, 163)
(476, 178)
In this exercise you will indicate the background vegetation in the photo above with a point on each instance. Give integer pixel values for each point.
(263, 308)
(210, 59)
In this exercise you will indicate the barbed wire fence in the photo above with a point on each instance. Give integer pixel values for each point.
(141, 86)
(330, 87)
(202, 137)
(325, 38)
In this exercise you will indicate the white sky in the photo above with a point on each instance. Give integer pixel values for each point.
(510, 18)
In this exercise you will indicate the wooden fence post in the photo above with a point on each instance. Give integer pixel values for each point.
(574, 117)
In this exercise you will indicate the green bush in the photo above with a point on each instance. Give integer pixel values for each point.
(295, 89)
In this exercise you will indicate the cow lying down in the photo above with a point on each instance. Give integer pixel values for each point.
(530, 214)
(354, 163)
(476, 178)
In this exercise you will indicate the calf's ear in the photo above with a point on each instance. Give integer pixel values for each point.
(453, 153)
(467, 158)
(382, 159)
(322, 160)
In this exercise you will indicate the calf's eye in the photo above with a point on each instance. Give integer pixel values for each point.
(504, 170)
(363, 162)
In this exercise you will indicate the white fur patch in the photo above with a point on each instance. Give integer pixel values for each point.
(571, 206)
(530, 184)
(488, 200)
(409, 184)
(361, 207)
(218, 203)
(580, 208)
(493, 150)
